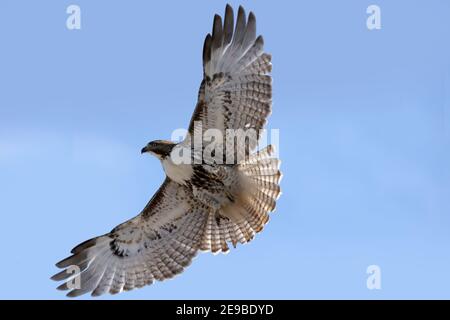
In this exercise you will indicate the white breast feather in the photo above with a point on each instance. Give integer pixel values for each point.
(179, 173)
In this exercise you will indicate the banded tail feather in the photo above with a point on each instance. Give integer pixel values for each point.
(241, 220)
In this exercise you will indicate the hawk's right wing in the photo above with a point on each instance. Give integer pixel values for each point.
(155, 245)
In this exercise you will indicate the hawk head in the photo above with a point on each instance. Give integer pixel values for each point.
(159, 148)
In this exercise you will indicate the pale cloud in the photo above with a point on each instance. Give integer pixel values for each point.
(22, 145)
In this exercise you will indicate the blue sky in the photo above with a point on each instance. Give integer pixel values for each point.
(364, 119)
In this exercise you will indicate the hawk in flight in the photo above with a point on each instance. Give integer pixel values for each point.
(204, 205)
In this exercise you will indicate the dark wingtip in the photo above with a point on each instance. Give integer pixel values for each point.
(62, 263)
(240, 25)
(251, 17)
(241, 14)
(217, 32)
(217, 26)
(58, 276)
(260, 40)
(62, 287)
(84, 245)
(74, 293)
(207, 49)
(228, 24)
(229, 10)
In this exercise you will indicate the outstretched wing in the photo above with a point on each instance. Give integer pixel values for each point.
(236, 91)
(155, 245)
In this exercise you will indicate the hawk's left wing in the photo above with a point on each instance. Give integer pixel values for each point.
(155, 245)
(236, 91)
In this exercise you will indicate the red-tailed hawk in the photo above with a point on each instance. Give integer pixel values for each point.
(201, 205)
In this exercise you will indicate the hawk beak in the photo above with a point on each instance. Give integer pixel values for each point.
(144, 150)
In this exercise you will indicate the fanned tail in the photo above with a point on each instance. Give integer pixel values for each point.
(248, 214)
